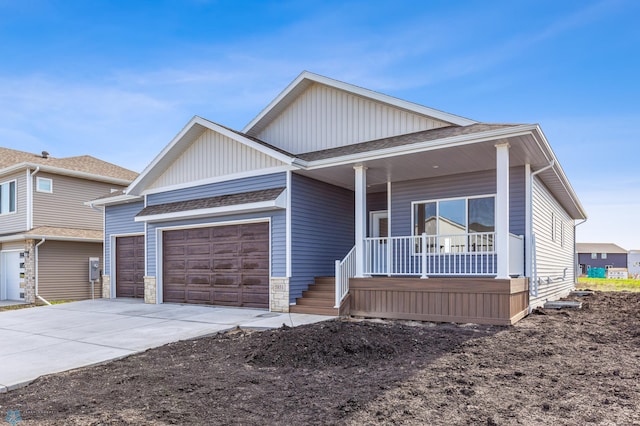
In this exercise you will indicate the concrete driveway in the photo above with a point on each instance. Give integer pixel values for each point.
(50, 339)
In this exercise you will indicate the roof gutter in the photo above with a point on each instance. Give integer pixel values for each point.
(576, 260)
(36, 262)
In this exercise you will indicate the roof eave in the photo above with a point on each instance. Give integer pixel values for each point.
(62, 171)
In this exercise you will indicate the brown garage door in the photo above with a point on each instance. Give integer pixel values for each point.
(130, 266)
(220, 265)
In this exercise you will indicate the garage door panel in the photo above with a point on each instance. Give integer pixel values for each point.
(255, 281)
(229, 280)
(198, 264)
(172, 250)
(129, 261)
(199, 280)
(226, 298)
(225, 233)
(255, 264)
(198, 234)
(225, 249)
(254, 248)
(232, 263)
(175, 265)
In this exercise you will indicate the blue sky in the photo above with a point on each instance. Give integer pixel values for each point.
(118, 79)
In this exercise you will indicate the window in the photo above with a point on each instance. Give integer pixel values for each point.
(594, 255)
(451, 220)
(44, 185)
(603, 256)
(561, 234)
(8, 197)
(553, 226)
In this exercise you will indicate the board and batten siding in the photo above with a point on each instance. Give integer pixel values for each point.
(63, 270)
(212, 155)
(278, 237)
(16, 222)
(456, 186)
(554, 254)
(64, 207)
(323, 117)
(119, 220)
(236, 186)
(322, 230)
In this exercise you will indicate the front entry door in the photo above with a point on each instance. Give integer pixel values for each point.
(378, 228)
(10, 271)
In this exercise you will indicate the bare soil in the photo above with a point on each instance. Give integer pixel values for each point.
(571, 367)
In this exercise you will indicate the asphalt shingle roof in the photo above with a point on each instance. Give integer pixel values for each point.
(83, 163)
(212, 202)
(599, 248)
(406, 139)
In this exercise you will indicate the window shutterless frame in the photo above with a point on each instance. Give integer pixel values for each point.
(44, 184)
(8, 197)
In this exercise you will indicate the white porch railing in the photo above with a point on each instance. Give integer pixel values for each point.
(345, 269)
(471, 254)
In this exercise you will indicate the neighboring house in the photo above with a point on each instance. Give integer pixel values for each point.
(600, 255)
(47, 233)
(633, 263)
(397, 192)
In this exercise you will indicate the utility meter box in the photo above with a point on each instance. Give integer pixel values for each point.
(94, 268)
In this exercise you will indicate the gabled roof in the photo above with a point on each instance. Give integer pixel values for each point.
(194, 128)
(84, 166)
(599, 248)
(306, 78)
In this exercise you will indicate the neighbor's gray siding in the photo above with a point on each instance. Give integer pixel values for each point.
(254, 183)
(65, 207)
(615, 260)
(278, 237)
(16, 222)
(454, 186)
(119, 220)
(552, 257)
(322, 230)
(63, 270)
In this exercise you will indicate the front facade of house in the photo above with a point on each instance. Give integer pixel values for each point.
(600, 255)
(47, 233)
(401, 195)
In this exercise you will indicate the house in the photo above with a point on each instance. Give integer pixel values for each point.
(338, 199)
(600, 255)
(47, 233)
(633, 263)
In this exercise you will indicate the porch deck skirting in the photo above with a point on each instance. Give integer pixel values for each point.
(460, 300)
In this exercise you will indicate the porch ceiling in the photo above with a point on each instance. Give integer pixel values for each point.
(424, 162)
(431, 163)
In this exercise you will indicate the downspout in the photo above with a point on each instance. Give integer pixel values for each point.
(575, 251)
(30, 198)
(36, 266)
(533, 268)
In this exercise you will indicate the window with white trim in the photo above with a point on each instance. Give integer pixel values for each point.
(459, 224)
(44, 185)
(8, 197)
(603, 256)
(594, 255)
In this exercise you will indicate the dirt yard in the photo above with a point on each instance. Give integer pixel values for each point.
(570, 367)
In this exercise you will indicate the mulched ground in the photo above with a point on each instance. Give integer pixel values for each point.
(553, 367)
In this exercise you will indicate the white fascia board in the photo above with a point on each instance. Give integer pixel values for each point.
(172, 151)
(559, 171)
(19, 237)
(418, 147)
(119, 199)
(278, 203)
(362, 92)
(218, 179)
(66, 172)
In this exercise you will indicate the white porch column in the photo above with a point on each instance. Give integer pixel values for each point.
(502, 210)
(361, 216)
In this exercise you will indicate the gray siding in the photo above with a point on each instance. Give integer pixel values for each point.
(616, 260)
(65, 207)
(254, 183)
(453, 186)
(16, 222)
(63, 272)
(552, 256)
(322, 230)
(278, 237)
(119, 219)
